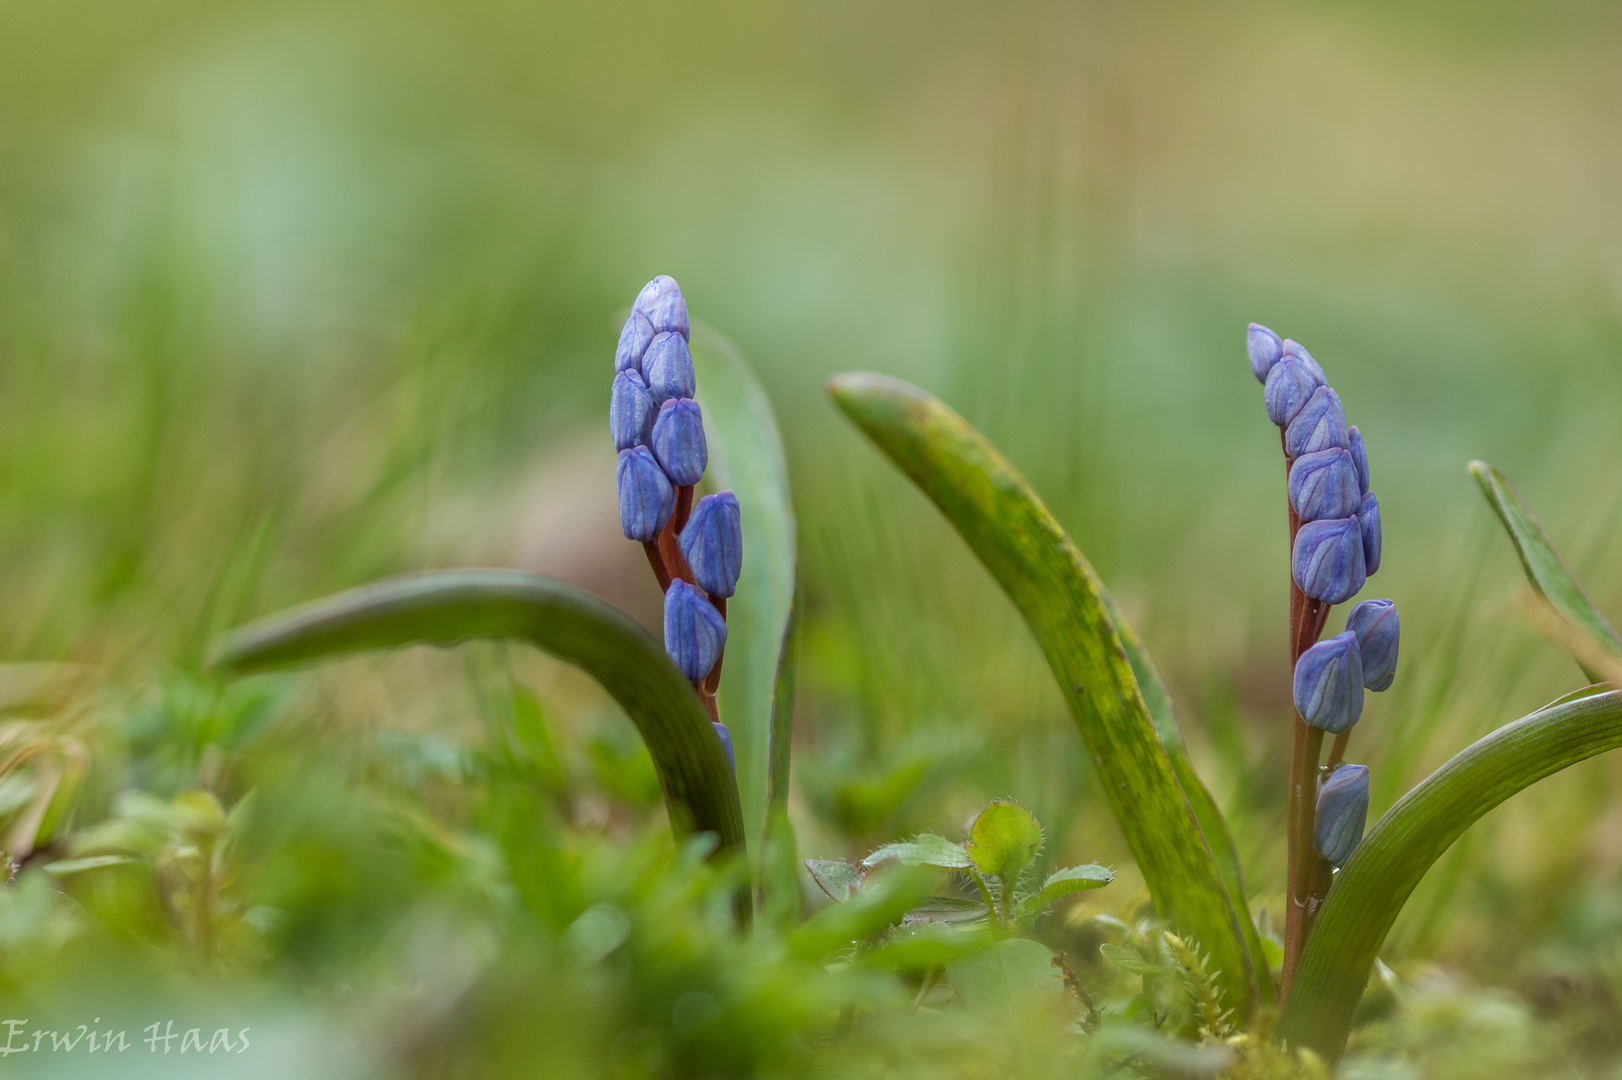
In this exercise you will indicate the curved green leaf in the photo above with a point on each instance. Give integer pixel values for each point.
(1019, 542)
(445, 607)
(1063, 883)
(925, 850)
(1371, 889)
(1548, 573)
(746, 455)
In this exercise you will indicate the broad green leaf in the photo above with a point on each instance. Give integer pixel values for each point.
(1212, 824)
(746, 455)
(1054, 587)
(920, 946)
(836, 878)
(1548, 573)
(1003, 840)
(1000, 977)
(1063, 883)
(446, 607)
(925, 850)
(884, 901)
(1127, 960)
(1384, 870)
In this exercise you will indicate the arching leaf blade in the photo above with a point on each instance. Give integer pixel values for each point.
(1018, 541)
(1371, 889)
(446, 607)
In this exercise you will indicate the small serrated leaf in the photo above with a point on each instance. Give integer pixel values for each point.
(1063, 883)
(1004, 838)
(836, 878)
(924, 850)
(1131, 961)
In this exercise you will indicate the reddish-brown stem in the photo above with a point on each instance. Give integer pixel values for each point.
(713, 679)
(708, 701)
(1337, 752)
(684, 507)
(658, 564)
(669, 550)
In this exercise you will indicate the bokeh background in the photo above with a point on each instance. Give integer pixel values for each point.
(297, 295)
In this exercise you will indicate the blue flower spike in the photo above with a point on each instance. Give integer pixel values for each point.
(630, 411)
(1355, 439)
(1324, 485)
(1327, 562)
(712, 543)
(1289, 387)
(1378, 631)
(645, 495)
(669, 368)
(695, 633)
(1265, 348)
(1329, 684)
(662, 303)
(678, 441)
(1320, 425)
(1293, 348)
(1368, 522)
(635, 337)
(1343, 809)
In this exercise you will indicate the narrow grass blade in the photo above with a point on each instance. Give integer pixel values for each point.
(746, 455)
(1029, 555)
(1373, 886)
(779, 874)
(1546, 570)
(445, 607)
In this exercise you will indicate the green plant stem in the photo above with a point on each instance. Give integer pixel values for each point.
(985, 893)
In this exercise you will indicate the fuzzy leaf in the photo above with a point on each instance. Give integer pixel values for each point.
(1371, 888)
(446, 607)
(882, 902)
(949, 909)
(1003, 840)
(1018, 541)
(998, 978)
(925, 850)
(836, 878)
(1063, 883)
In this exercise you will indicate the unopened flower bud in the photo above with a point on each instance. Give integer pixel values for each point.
(630, 411)
(663, 304)
(1324, 485)
(1343, 808)
(678, 441)
(1289, 387)
(645, 495)
(712, 543)
(1329, 684)
(669, 368)
(1319, 425)
(725, 736)
(1327, 562)
(1354, 439)
(695, 633)
(1378, 629)
(1265, 349)
(1368, 521)
(634, 339)
(1293, 348)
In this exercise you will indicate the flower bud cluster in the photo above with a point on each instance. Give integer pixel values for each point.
(1338, 544)
(1343, 808)
(658, 430)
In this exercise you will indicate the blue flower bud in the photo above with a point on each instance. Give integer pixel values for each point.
(1289, 388)
(1368, 520)
(663, 304)
(695, 633)
(712, 543)
(1354, 439)
(1265, 349)
(1293, 348)
(1329, 684)
(1343, 808)
(669, 368)
(630, 411)
(1324, 485)
(726, 742)
(1377, 628)
(646, 497)
(1327, 562)
(634, 339)
(1320, 424)
(678, 441)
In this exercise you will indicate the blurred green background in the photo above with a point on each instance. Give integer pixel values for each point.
(296, 295)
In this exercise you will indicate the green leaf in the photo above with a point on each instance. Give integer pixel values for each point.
(925, 850)
(1548, 573)
(1000, 977)
(1019, 542)
(1003, 840)
(1127, 960)
(446, 607)
(949, 909)
(925, 946)
(1372, 887)
(1063, 883)
(779, 900)
(63, 867)
(884, 901)
(746, 455)
(836, 878)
